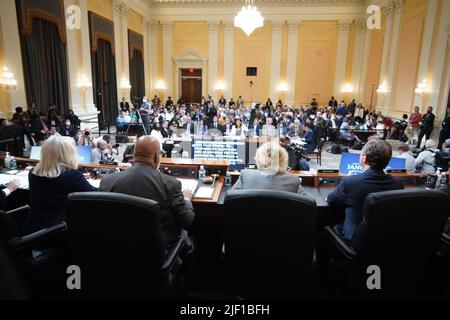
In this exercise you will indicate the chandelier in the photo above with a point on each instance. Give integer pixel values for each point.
(249, 18)
(7, 81)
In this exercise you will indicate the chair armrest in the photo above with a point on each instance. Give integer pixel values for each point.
(19, 213)
(340, 244)
(446, 238)
(171, 257)
(27, 241)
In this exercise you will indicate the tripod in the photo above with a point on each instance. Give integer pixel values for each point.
(140, 124)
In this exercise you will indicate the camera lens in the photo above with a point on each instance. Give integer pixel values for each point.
(86, 133)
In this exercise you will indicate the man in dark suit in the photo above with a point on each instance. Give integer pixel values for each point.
(222, 101)
(426, 126)
(124, 105)
(216, 127)
(445, 132)
(309, 137)
(333, 103)
(189, 126)
(145, 181)
(353, 190)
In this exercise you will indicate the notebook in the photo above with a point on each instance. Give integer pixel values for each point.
(188, 184)
(204, 193)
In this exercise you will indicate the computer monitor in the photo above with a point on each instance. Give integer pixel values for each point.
(84, 154)
(35, 153)
(350, 164)
(221, 149)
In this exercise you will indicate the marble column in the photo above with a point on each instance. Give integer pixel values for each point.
(341, 57)
(213, 30)
(275, 62)
(167, 58)
(228, 59)
(292, 54)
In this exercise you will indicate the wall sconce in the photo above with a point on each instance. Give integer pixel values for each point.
(125, 84)
(383, 89)
(347, 88)
(84, 82)
(282, 87)
(7, 81)
(422, 89)
(220, 86)
(160, 85)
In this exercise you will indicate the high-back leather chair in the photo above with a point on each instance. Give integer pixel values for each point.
(400, 233)
(269, 243)
(116, 241)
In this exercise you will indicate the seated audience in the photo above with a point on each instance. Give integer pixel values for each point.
(100, 152)
(145, 181)
(426, 161)
(309, 137)
(51, 181)
(353, 190)
(68, 130)
(410, 165)
(272, 163)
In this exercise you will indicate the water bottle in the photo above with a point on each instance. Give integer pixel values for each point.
(7, 160)
(201, 172)
(13, 163)
(438, 179)
(228, 179)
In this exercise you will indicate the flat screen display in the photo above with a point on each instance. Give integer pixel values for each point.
(221, 149)
(350, 164)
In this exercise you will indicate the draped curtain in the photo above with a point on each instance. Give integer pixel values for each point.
(45, 67)
(137, 77)
(105, 83)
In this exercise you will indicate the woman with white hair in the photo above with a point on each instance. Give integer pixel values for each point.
(425, 161)
(52, 180)
(272, 163)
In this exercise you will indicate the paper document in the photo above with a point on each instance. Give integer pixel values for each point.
(204, 193)
(94, 183)
(188, 184)
(6, 178)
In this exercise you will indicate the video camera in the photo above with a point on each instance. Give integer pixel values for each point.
(136, 101)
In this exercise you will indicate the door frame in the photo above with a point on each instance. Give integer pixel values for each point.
(187, 59)
(189, 77)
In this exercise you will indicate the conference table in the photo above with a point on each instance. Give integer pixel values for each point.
(207, 229)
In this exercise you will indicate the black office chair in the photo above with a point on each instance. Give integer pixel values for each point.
(269, 243)
(400, 233)
(31, 256)
(116, 241)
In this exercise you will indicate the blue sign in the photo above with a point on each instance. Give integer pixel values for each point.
(350, 164)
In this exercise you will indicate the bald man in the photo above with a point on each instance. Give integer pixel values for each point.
(145, 181)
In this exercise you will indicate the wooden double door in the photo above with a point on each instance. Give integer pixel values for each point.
(191, 85)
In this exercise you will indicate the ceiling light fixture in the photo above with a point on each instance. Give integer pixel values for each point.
(249, 18)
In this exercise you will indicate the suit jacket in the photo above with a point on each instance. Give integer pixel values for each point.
(427, 121)
(191, 130)
(49, 196)
(310, 140)
(352, 192)
(219, 127)
(257, 179)
(125, 106)
(143, 181)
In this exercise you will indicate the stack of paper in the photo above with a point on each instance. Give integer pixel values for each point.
(204, 193)
(188, 184)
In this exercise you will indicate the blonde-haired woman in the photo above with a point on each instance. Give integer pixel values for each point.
(272, 163)
(53, 179)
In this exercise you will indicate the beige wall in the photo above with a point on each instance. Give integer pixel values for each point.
(316, 53)
(135, 22)
(316, 61)
(101, 7)
(253, 51)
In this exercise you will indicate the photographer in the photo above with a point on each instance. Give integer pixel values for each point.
(87, 139)
(297, 155)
